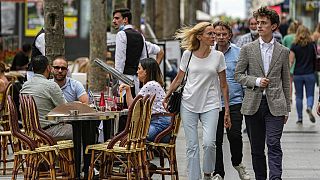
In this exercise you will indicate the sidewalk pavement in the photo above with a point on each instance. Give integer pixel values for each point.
(300, 145)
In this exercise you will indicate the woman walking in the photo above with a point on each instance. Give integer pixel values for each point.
(303, 50)
(204, 68)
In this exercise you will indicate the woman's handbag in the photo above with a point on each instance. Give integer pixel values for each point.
(175, 98)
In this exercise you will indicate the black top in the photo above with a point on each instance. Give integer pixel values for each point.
(20, 59)
(305, 57)
(133, 51)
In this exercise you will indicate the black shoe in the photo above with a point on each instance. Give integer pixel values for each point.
(312, 119)
(299, 122)
(152, 167)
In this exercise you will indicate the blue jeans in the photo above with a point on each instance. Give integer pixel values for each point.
(157, 125)
(209, 122)
(309, 81)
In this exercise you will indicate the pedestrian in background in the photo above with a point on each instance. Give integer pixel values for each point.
(21, 59)
(287, 42)
(263, 67)
(223, 34)
(251, 36)
(303, 51)
(205, 71)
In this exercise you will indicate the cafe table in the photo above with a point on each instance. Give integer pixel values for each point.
(84, 121)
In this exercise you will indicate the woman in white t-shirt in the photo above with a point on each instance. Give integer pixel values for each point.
(201, 96)
(150, 75)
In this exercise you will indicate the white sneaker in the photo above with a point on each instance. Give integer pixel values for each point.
(243, 174)
(217, 177)
(96, 172)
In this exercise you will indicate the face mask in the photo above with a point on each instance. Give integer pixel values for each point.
(254, 32)
(121, 27)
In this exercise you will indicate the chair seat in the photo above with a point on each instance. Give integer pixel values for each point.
(161, 144)
(5, 133)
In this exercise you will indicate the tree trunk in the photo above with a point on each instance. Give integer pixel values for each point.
(54, 28)
(172, 18)
(119, 4)
(149, 16)
(190, 12)
(98, 37)
(136, 13)
(159, 18)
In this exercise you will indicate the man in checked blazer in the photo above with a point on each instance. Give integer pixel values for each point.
(263, 67)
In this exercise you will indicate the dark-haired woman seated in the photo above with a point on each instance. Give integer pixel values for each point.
(151, 77)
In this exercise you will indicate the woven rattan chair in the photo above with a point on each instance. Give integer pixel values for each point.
(106, 152)
(5, 134)
(32, 155)
(43, 139)
(166, 150)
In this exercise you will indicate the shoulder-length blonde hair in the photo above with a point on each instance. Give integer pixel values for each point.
(188, 35)
(303, 36)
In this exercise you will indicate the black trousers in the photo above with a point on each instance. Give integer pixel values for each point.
(234, 136)
(264, 128)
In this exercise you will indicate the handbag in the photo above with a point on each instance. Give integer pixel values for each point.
(175, 98)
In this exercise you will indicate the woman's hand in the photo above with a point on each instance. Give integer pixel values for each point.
(227, 119)
(124, 87)
(165, 102)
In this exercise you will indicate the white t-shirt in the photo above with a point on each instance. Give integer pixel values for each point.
(151, 88)
(202, 90)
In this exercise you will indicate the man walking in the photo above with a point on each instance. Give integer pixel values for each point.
(223, 35)
(263, 67)
(251, 36)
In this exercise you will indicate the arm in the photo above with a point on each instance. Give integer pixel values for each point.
(225, 93)
(41, 43)
(84, 98)
(129, 98)
(291, 58)
(285, 74)
(160, 56)
(175, 83)
(241, 75)
(120, 54)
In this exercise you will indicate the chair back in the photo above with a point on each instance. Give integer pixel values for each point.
(147, 118)
(14, 127)
(33, 123)
(173, 129)
(3, 103)
(134, 110)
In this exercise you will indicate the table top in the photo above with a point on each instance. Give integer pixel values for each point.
(67, 117)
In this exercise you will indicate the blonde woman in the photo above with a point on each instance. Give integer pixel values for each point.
(303, 52)
(201, 96)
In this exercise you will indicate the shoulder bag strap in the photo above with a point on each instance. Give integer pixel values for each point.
(187, 70)
(146, 49)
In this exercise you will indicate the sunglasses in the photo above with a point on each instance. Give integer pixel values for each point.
(60, 67)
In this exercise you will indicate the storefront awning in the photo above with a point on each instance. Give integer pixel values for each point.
(202, 16)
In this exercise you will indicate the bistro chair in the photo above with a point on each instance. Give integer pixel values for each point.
(31, 155)
(166, 150)
(107, 152)
(5, 134)
(43, 139)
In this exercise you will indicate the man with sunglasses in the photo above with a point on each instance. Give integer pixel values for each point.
(72, 89)
(47, 96)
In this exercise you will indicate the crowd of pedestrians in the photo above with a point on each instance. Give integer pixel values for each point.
(225, 78)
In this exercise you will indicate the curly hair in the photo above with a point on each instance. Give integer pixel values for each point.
(188, 35)
(269, 13)
(303, 36)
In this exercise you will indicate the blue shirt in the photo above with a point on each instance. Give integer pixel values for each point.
(72, 90)
(235, 89)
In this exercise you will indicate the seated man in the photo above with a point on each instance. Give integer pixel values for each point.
(47, 96)
(72, 89)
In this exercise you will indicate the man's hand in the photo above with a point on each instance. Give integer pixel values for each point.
(285, 119)
(264, 82)
(227, 119)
